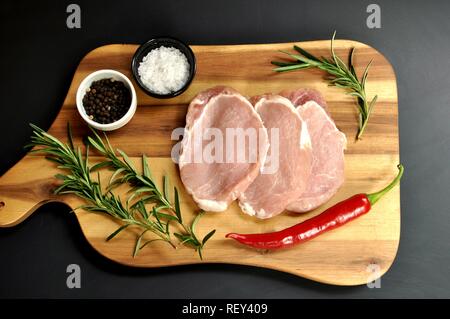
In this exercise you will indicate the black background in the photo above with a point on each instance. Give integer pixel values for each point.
(39, 55)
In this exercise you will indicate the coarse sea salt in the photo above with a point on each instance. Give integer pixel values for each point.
(164, 70)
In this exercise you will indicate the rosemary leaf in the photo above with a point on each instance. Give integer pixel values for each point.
(166, 216)
(138, 244)
(208, 236)
(291, 67)
(126, 159)
(117, 231)
(148, 242)
(69, 135)
(78, 181)
(177, 206)
(100, 166)
(114, 175)
(94, 143)
(342, 76)
(166, 186)
(145, 167)
(280, 63)
(194, 223)
(305, 53)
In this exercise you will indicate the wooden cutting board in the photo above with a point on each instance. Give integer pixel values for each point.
(351, 255)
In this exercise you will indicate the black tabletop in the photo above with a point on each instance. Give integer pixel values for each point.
(40, 53)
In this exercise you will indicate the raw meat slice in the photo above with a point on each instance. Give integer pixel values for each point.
(328, 144)
(303, 95)
(216, 179)
(279, 184)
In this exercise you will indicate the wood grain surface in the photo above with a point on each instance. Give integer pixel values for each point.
(350, 255)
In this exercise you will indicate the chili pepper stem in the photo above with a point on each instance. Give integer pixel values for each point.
(374, 197)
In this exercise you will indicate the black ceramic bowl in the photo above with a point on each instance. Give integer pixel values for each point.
(144, 49)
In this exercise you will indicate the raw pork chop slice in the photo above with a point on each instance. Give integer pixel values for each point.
(288, 162)
(214, 174)
(328, 144)
(303, 95)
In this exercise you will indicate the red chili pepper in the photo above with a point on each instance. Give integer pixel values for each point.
(333, 217)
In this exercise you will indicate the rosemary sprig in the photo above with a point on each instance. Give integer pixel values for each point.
(78, 181)
(144, 187)
(342, 76)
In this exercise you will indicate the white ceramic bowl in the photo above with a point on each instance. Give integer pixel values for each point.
(106, 74)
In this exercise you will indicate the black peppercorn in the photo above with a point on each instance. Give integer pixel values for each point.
(106, 101)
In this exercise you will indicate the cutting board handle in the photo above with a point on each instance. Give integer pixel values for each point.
(24, 188)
